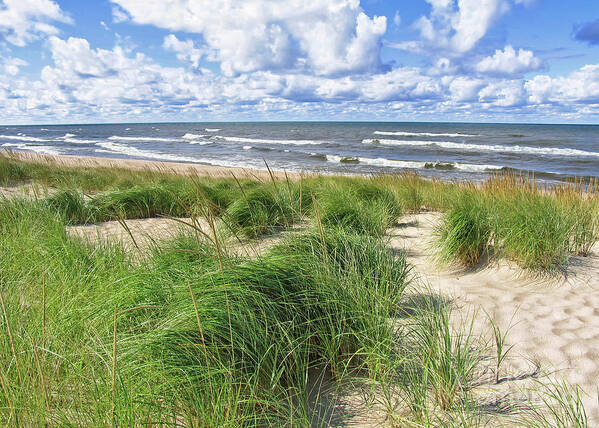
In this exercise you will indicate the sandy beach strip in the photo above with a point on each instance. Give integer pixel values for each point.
(180, 168)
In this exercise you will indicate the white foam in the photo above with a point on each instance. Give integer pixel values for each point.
(423, 134)
(212, 129)
(190, 136)
(67, 135)
(47, 150)
(119, 138)
(382, 162)
(480, 147)
(343, 159)
(266, 141)
(201, 143)
(23, 138)
(79, 141)
(134, 151)
(44, 129)
(247, 147)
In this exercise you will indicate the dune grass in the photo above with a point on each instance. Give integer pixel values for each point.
(466, 232)
(190, 335)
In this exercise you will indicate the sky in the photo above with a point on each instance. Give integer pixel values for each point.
(92, 61)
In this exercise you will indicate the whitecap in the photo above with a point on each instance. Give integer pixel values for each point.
(79, 141)
(46, 150)
(190, 136)
(22, 137)
(108, 147)
(268, 141)
(549, 151)
(423, 134)
(119, 138)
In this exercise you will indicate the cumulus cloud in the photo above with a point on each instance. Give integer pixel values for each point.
(23, 21)
(506, 93)
(580, 86)
(119, 84)
(465, 89)
(185, 50)
(11, 66)
(455, 27)
(588, 32)
(326, 37)
(508, 61)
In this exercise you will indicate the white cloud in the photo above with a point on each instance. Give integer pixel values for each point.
(120, 84)
(465, 89)
(118, 15)
(504, 93)
(11, 66)
(327, 37)
(185, 50)
(508, 61)
(473, 19)
(23, 21)
(455, 27)
(397, 19)
(581, 86)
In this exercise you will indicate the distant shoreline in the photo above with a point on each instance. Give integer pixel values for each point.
(179, 168)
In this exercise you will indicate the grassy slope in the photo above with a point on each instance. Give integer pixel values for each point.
(193, 336)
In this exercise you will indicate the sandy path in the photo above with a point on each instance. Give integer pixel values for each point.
(143, 233)
(28, 190)
(554, 321)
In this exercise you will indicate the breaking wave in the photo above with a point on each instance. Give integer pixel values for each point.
(549, 151)
(23, 138)
(423, 134)
(267, 141)
(119, 138)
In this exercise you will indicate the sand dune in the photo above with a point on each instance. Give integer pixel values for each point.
(554, 321)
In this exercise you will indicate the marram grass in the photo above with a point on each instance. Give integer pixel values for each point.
(190, 335)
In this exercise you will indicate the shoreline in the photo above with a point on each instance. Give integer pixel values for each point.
(178, 168)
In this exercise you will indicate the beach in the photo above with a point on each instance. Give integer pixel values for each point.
(549, 318)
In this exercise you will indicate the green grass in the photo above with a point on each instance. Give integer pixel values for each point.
(191, 334)
(262, 210)
(466, 231)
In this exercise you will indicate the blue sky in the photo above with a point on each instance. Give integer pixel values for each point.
(73, 61)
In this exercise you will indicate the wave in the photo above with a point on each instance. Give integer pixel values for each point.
(23, 138)
(119, 138)
(391, 163)
(423, 134)
(46, 150)
(67, 135)
(190, 136)
(480, 147)
(212, 129)
(79, 141)
(134, 151)
(247, 147)
(201, 143)
(266, 141)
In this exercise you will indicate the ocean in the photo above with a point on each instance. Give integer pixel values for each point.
(446, 150)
